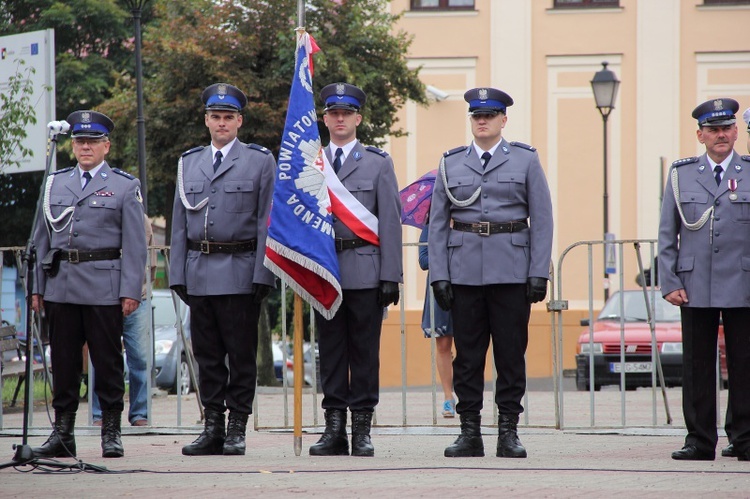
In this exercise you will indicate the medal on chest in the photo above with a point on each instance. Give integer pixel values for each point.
(732, 183)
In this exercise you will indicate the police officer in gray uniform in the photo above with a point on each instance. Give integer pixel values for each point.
(350, 341)
(92, 260)
(489, 247)
(704, 267)
(221, 208)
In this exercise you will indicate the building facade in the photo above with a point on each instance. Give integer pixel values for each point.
(669, 55)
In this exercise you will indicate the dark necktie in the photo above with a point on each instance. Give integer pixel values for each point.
(717, 170)
(486, 159)
(217, 161)
(86, 179)
(337, 160)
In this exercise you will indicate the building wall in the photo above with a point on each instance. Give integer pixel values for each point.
(669, 55)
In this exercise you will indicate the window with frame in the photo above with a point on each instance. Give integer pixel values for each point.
(442, 4)
(584, 4)
(726, 2)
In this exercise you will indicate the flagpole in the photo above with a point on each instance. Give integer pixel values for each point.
(299, 361)
(299, 377)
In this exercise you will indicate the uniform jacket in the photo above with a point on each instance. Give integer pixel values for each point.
(513, 187)
(714, 271)
(369, 175)
(239, 195)
(108, 214)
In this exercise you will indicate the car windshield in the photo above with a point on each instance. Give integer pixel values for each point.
(634, 305)
(163, 311)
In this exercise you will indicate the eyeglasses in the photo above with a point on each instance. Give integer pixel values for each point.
(89, 140)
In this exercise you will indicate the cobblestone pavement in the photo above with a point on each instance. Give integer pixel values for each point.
(606, 458)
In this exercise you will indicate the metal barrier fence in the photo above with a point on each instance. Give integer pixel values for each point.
(634, 409)
(415, 406)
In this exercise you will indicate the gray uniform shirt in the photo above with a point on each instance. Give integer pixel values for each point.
(512, 187)
(712, 263)
(239, 201)
(108, 214)
(369, 175)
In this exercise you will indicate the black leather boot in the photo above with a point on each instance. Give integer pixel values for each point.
(334, 441)
(361, 443)
(469, 443)
(62, 442)
(234, 444)
(211, 441)
(111, 441)
(508, 444)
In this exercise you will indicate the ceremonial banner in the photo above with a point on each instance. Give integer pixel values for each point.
(300, 244)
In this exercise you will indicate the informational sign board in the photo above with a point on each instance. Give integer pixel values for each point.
(37, 50)
(610, 265)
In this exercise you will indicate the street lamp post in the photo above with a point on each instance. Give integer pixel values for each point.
(136, 7)
(605, 85)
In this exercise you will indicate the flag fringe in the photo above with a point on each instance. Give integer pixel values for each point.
(310, 265)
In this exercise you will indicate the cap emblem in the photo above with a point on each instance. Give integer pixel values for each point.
(718, 105)
(340, 89)
(482, 94)
(85, 117)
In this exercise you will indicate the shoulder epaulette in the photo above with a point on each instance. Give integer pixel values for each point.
(454, 151)
(746, 157)
(262, 149)
(63, 170)
(685, 161)
(377, 151)
(523, 146)
(124, 174)
(194, 149)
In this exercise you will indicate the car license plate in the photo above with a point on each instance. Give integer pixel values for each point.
(630, 367)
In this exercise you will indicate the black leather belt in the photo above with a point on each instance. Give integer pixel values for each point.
(208, 247)
(345, 244)
(76, 256)
(487, 228)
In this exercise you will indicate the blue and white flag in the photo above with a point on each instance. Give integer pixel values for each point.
(300, 245)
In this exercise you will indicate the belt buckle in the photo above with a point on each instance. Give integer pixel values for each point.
(339, 244)
(73, 259)
(484, 229)
(205, 248)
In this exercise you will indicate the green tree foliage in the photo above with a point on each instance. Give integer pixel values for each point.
(16, 112)
(18, 195)
(251, 43)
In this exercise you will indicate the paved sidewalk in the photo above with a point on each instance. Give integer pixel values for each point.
(579, 461)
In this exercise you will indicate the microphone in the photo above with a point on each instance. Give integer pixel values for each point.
(57, 127)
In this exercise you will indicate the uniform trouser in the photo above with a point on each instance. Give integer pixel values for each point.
(135, 337)
(499, 312)
(224, 331)
(700, 328)
(72, 326)
(349, 346)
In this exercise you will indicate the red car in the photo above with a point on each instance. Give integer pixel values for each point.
(606, 344)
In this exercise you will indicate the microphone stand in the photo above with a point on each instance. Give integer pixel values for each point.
(23, 453)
